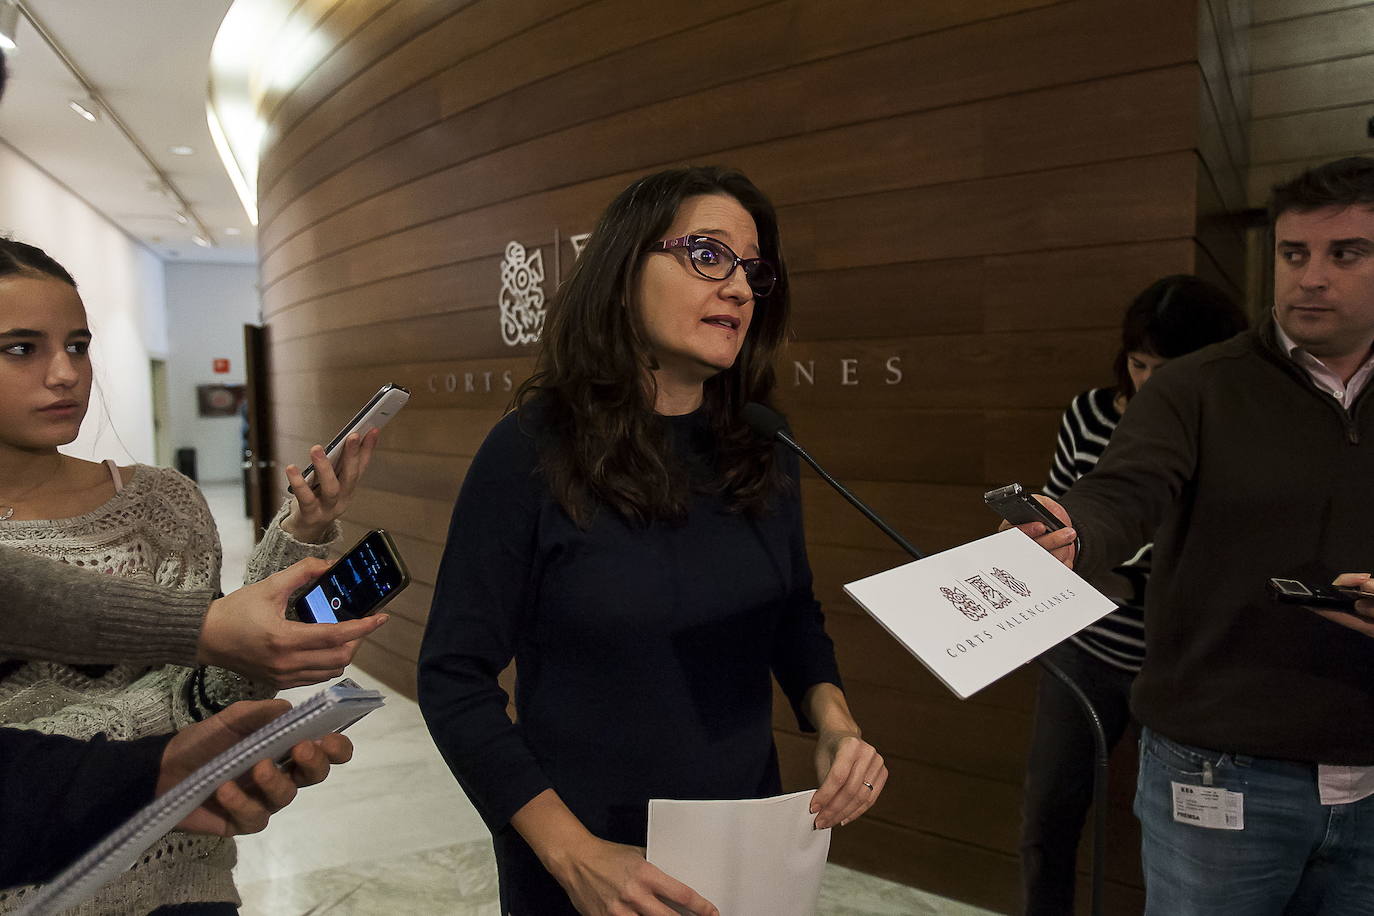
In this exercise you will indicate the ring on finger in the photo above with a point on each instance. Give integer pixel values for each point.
(869, 785)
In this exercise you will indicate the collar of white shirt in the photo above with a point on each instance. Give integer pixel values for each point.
(1322, 376)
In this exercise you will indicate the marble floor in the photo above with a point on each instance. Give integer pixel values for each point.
(392, 833)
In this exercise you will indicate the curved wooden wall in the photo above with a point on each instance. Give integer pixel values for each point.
(970, 193)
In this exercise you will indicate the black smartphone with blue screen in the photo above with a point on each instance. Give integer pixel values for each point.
(361, 583)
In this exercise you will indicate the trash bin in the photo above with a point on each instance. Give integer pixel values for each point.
(185, 462)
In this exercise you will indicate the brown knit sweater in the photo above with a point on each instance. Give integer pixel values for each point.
(47, 615)
(157, 534)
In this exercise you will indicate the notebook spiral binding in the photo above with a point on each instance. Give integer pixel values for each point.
(331, 710)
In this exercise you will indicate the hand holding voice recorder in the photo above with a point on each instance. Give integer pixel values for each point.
(1331, 597)
(1020, 508)
(361, 583)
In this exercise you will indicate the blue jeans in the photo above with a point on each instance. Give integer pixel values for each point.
(1294, 857)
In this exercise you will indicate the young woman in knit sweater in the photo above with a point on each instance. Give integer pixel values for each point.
(143, 523)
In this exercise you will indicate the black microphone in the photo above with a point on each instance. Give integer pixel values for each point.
(769, 424)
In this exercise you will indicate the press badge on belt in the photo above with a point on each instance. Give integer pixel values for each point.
(1209, 807)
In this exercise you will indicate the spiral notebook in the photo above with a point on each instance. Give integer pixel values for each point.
(331, 710)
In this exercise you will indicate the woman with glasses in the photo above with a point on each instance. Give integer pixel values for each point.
(638, 551)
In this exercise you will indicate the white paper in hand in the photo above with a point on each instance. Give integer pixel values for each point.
(747, 857)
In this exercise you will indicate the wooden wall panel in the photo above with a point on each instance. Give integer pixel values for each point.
(371, 32)
(386, 86)
(1311, 63)
(1334, 83)
(1311, 68)
(1326, 33)
(970, 193)
(1223, 137)
(1267, 11)
(830, 87)
(1067, 124)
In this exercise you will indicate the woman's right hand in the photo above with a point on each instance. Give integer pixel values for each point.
(611, 879)
(600, 878)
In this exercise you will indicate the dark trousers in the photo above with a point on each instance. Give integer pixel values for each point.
(1059, 773)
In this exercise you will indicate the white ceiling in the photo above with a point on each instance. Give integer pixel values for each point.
(150, 61)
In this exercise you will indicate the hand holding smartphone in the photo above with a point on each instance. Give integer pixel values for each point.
(375, 414)
(360, 584)
(1019, 507)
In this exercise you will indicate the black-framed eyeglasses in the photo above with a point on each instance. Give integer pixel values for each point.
(714, 260)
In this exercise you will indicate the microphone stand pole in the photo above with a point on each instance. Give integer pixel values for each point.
(850, 497)
(1099, 780)
(1094, 720)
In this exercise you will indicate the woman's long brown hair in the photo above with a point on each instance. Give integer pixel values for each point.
(593, 377)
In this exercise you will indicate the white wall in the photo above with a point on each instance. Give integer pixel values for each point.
(121, 283)
(207, 307)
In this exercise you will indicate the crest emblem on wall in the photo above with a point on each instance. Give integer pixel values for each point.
(522, 295)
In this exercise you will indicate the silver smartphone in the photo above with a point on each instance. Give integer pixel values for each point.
(1020, 508)
(376, 413)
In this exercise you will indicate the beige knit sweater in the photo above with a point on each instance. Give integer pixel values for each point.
(158, 530)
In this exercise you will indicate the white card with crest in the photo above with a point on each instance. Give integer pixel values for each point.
(979, 611)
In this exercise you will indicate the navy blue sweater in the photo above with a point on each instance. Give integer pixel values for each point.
(60, 796)
(643, 654)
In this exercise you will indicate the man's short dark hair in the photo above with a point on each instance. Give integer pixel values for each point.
(1343, 183)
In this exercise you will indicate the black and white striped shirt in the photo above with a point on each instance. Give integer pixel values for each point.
(1119, 638)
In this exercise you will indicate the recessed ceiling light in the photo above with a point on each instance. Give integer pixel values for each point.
(88, 109)
(182, 218)
(181, 150)
(231, 230)
(201, 241)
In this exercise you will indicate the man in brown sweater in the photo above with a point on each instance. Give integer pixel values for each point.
(1252, 459)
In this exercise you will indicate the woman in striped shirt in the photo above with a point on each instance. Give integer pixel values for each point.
(1171, 317)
